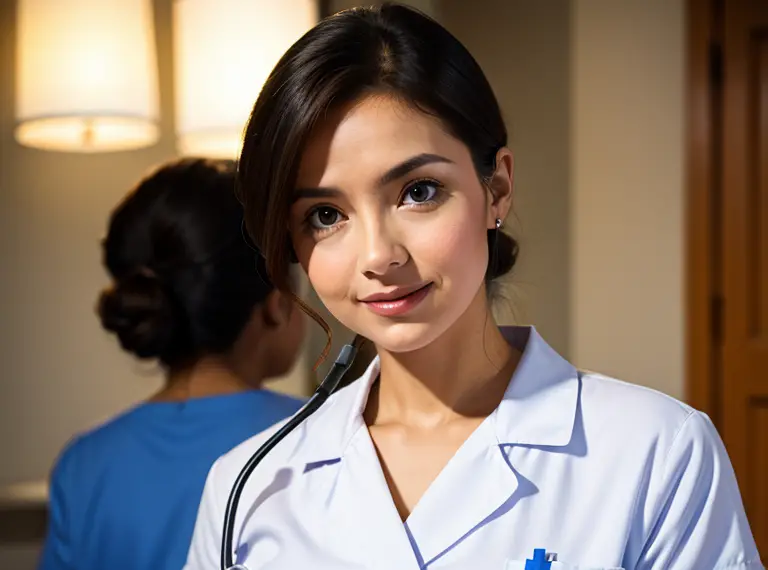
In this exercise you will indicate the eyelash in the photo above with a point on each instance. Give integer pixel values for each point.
(436, 199)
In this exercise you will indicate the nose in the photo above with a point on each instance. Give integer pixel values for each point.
(380, 248)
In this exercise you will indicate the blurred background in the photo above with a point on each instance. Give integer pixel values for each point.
(640, 129)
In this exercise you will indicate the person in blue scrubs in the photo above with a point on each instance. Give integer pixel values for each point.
(377, 157)
(190, 293)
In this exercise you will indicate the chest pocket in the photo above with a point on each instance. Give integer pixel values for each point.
(521, 565)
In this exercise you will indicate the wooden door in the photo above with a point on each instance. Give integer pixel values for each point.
(744, 253)
(727, 219)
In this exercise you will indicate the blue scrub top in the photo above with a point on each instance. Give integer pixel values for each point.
(126, 495)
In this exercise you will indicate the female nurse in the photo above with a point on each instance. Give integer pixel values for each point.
(376, 156)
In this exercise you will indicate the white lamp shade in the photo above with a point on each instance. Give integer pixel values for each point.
(86, 75)
(223, 52)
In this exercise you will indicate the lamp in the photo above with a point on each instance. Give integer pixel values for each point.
(223, 52)
(86, 75)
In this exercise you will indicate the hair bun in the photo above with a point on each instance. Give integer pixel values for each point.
(138, 310)
(502, 254)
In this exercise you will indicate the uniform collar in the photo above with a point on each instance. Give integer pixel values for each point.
(538, 408)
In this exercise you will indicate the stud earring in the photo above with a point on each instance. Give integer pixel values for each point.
(498, 223)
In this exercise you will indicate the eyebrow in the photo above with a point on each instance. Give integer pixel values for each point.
(304, 193)
(411, 164)
(397, 171)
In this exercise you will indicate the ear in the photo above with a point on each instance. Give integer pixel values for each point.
(276, 309)
(500, 186)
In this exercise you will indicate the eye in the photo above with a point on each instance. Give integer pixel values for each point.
(420, 192)
(323, 217)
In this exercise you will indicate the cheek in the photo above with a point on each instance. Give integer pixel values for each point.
(330, 271)
(456, 249)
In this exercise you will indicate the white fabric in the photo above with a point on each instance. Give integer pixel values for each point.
(604, 474)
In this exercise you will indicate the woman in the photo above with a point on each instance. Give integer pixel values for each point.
(376, 157)
(190, 293)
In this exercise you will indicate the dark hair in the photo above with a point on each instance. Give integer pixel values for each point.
(185, 280)
(387, 49)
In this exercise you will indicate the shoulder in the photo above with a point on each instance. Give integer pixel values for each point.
(103, 437)
(654, 427)
(278, 403)
(645, 423)
(608, 402)
(65, 467)
(687, 505)
(94, 440)
(280, 397)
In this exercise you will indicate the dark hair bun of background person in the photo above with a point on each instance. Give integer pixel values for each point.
(185, 281)
(140, 312)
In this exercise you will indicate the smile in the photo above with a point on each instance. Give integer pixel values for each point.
(398, 302)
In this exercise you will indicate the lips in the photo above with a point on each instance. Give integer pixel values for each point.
(397, 302)
(394, 294)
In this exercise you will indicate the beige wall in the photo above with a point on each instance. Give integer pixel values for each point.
(598, 140)
(427, 6)
(592, 91)
(627, 190)
(619, 213)
(60, 372)
(523, 48)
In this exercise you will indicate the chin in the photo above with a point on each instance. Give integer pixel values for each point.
(403, 337)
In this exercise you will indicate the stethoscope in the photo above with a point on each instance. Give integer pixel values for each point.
(326, 388)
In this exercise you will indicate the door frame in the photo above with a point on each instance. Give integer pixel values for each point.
(703, 169)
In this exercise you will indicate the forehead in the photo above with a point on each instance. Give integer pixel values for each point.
(372, 134)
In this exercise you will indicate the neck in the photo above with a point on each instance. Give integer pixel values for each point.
(464, 373)
(208, 376)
